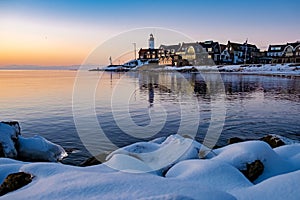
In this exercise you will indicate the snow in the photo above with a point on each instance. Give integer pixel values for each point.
(239, 154)
(218, 175)
(56, 181)
(160, 156)
(188, 178)
(38, 148)
(279, 187)
(286, 69)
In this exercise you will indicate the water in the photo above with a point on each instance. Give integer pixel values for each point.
(139, 106)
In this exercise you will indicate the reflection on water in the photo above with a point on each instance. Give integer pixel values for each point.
(255, 105)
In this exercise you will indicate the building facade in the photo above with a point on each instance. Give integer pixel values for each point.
(236, 53)
(285, 53)
(213, 50)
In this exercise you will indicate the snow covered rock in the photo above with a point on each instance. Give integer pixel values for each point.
(285, 186)
(219, 175)
(215, 178)
(38, 148)
(160, 156)
(8, 137)
(241, 154)
(13, 145)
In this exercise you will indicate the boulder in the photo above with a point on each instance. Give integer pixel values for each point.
(15, 181)
(273, 141)
(95, 160)
(188, 70)
(235, 140)
(254, 170)
(1, 151)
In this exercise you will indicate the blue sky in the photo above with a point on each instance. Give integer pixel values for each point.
(90, 22)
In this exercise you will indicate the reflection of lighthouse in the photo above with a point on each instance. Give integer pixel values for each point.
(151, 41)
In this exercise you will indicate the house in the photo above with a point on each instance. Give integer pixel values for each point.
(285, 53)
(148, 54)
(275, 50)
(194, 53)
(236, 53)
(173, 60)
(213, 50)
(169, 49)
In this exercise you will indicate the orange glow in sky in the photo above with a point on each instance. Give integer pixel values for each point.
(65, 33)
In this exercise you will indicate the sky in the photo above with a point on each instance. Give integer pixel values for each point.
(56, 33)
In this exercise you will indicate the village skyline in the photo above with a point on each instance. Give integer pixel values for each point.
(63, 33)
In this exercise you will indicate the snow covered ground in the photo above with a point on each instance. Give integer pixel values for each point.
(290, 69)
(127, 174)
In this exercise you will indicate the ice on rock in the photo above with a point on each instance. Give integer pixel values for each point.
(38, 148)
(8, 134)
(160, 156)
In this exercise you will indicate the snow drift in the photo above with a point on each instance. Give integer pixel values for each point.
(218, 177)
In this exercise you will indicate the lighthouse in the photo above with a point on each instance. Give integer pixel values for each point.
(151, 41)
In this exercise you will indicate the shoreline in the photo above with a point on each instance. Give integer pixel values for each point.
(289, 69)
(239, 170)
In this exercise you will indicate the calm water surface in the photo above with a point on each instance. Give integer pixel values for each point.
(42, 102)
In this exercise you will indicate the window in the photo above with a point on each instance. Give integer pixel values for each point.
(209, 49)
(275, 48)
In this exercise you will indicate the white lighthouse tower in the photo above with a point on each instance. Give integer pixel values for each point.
(151, 41)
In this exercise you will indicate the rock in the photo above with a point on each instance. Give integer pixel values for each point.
(1, 151)
(254, 170)
(15, 181)
(273, 141)
(185, 70)
(235, 140)
(95, 160)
